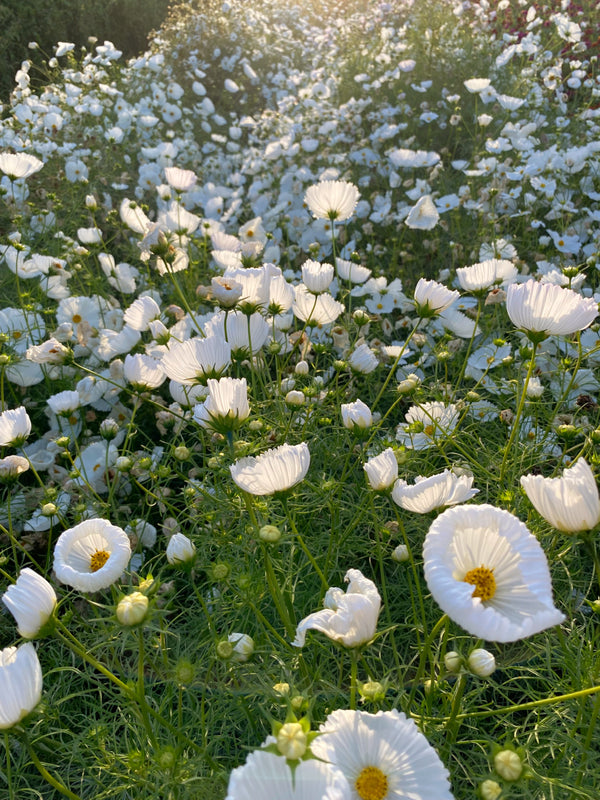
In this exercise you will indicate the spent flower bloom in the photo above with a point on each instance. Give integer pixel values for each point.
(92, 555)
(349, 617)
(20, 683)
(31, 600)
(489, 573)
(273, 471)
(545, 309)
(571, 502)
(335, 200)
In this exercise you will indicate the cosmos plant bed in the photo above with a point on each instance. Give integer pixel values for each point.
(299, 407)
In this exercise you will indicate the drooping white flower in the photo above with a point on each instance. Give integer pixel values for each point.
(349, 617)
(445, 489)
(335, 200)
(363, 360)
(267, 774)
(489, 573)
(548, 309)
(570, 502)
(92, 555)
(273, 471)
(382, 470)
(15, 427)
(383, 756)
(31, 600)
(20, 683)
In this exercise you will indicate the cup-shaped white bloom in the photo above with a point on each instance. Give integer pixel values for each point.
(64, 402)
(313, 309)
(427, 424)
(92, 555)
(383, 756)
(20, 683)
(267, 774)
(349, 617)
(141, 313)
(197, 359)
(245, 333)
(31, 601)
(432, 297)
(570, 502)
(226, 406)
(182, 180)
(489, 573)
(12, 466)
(548, 309)
(143, 372)
(486, 274)
(356, 415)
(332, 199)
(180, 549)
(273, 471)
(226, 291)
(19, 165)
(363, 359)
(15, 427)
(316, 276)
(382, 470)
(349, 271)
(445, 489)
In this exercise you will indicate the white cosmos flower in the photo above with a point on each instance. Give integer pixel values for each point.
(226, 406)
(570, 502)
(267, 774)
(382, 470)
(349, 617)
(315, 309)
(180, 549)
(335, 200)
(92, 555)
(356, 415)
(423, 215)
(272, 471)
(363, 359)
(486, 274)
(489, 573)
(445, 489)
(544, 308)
(182, 180)
(31, 601)
(197, 359)
(141, 313)
(15, 427)
(432, 297)
(317, 276)
(19, 165)
(426, 424)
(349, 271)
(383, 756)
(20, 683)
(143, 372)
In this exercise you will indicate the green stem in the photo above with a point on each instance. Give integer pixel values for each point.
(353, 674)
(302, 544)
(60, 787)
(141, 691)
(517, 420)
(454, 720)
(394, 365)
(11, 793)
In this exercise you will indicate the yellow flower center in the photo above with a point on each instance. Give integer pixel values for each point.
(77, 318)
(484, 582)
(98, 560)
(371, 784)
(429, 430)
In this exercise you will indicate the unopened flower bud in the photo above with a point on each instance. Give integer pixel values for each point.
(291, 740)
(301, 368)
(243, 646)
(490, 790)
(180, 549)
(508, 765)
(295, 398)
(225, 650)
(182, 453)
(453, 661)
(270, 533)
(372, 691)
(132, 609)
(481, 663)
(400, 553)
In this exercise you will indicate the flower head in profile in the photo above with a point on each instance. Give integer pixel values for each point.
(545, 309)
(431, 297)
(356, 415)
(489, 573)
(267, 774)
(20, 683)
(226, 406)
(423, 215)
(335, 200)
(445, 489)
(31, 600)
(15, 427)
(570, 502)
(349, 617)
(273, 471)
(486, 274)
(195, 360)
(92, 555)
(19, 165)
(382, 470)
(383, 756)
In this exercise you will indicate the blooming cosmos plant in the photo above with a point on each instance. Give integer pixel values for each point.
(92, 555)
(272, 471)
(31, 600)
(489, 573)
(20, 683)
(335, 200)
(445, 489)
(384, 756)
(546, 309)
(570, 502)
(350, 617)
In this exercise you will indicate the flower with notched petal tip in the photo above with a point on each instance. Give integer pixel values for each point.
(20, 683)
(570, 502)
(15, 427)
(545, 309)
(273, 471)
(92, 555)
(31, 600)
(335, 200)
(445, 489)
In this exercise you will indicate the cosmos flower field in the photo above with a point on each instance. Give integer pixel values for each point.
(299, 407)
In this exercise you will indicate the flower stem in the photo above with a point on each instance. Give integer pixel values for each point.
(519, 414)
(60, 787)
(353, 674)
